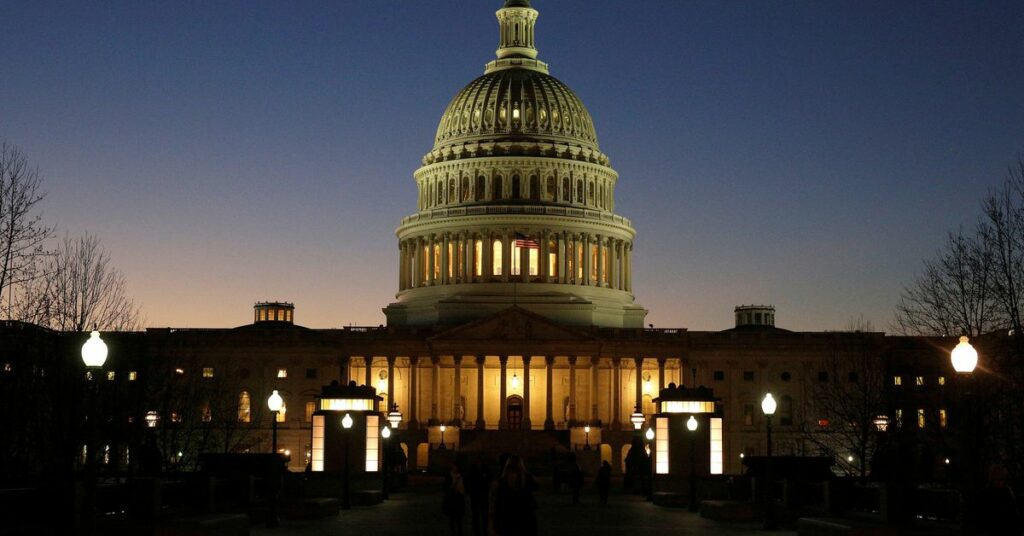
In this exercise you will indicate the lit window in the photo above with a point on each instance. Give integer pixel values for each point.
(207, 412)
(207, 372)
(282, 415)
(7, 367)
(111, 375)
(179, 371)
(437, 261)
(919, 380)
(175, 416)
(132, 375)
(899, 418)
(942, 418)
(748, 414)
(317, 448)
(152, 419)
(920, 418)
(942, 380)
(534, 261)
(282, 373)
(516, 259)
(310, 408)
(478, 258)
(244, 407)
(716, 446)
(661, 446)
(897, 380)
(496, 257)
(372, 443)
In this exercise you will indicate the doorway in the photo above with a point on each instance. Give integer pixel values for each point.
(514, 412)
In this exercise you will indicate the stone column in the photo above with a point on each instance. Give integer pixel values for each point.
(391, 382)
(457, 390)
(369, 366)
(661, 374)
(572, 390)
(616, 393)
(417, 267)
(445, 260)
(638, 363)
(629, 266)
(562, 275)
(506, 257)
(595, 361)
(430, 262)
(549, 422)
(488, 260)
(435, 388)
(481, 424)
(600, 261)
(524, 264)
(503, 394)
(526, 392)
(401, 266)
(468, 252)
(586, 259)
(414, 393)
(542, 264)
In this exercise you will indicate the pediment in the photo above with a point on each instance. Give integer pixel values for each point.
(513, 324)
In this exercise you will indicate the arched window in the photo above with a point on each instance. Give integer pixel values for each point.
(440, 193)
(451, 191)
(550, 193)
(566, 190)
(590, 192)
(600, 195)
(480, 188)
(497, 192)
(465, 188)
(579, 191)
(310, 409)
(496, 257)
(516, 187)
(244, 407)
(534, 188)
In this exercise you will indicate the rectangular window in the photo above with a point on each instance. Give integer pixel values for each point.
(310, 409)
(516, 260)
(919, 380)
(593, 263)
(719, 375)
(748, 375)
(110, 375)
(207, 372)
(942, 418)
(748, 414)
(311, 374)
(897, 380)
(661, 446)
(552, 265)
(942, 380)
(496, 258)
(282, 373)
(317, 449)
(534, 261)
(899, 418)
(132, 375)
(920, 418)
(716, 446)
(478, 258)
(579, 264)
(437, 262)
(372, 443)
(452, 259)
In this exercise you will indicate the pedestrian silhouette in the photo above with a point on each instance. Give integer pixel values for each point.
(513, 509)
(453, 504)
(604, 481)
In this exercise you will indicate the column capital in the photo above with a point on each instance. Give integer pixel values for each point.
(480, 359)
(391, 360)
(617, 361)
(526, 360)
(572, 360)
(414, 360)
(435, 360)
(661, 361)
(595, 360)
(503, 359)
(549, 360)
(639, 361)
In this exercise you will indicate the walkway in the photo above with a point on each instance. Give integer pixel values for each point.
(418, 512)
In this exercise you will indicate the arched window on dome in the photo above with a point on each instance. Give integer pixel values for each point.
(579, 192)
(440, 193)
(600, 195)
(534, 188)
(452, 197)
(465, 189)
(497, 192)
(550, 194)
(590, 193)
(516, 187)
(566, 190)
(496, 257)
(480, 181)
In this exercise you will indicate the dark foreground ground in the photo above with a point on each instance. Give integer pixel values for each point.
(417, 511)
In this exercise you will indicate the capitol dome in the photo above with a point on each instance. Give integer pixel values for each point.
(515, 203)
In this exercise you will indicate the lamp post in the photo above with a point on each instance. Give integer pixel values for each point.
(346, 424)
(637, 418)
(386, 434)
(964, 359)
(691, 425)
(768, 406)
(442, 445)
(649, 435)
(586, 434)
(274, 402)
(94, 354)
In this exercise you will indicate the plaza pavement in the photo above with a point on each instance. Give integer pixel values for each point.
(417, 511)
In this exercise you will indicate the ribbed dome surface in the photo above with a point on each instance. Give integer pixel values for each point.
(516, 105)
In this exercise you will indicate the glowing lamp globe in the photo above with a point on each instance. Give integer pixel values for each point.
(964, 357)
(94, 351)
(637, 418)
(394, 416)
(386, 432)
(443, 428)
(515, 381)
(275, 401)
(650, 434)
(346, 421)
(586, 429)
(768, 405)
(691, 424)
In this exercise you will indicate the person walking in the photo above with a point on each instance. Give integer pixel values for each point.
(513, 509)
(604, 481)
(453, 504)
(574, 476)
(478, 483)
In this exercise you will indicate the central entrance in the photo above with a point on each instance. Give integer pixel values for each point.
(514, 412)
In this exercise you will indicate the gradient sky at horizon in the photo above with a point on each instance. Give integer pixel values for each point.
(804, 154)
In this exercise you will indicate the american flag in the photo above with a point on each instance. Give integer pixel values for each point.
(523, 242)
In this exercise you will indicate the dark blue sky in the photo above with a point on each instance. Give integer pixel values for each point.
(805, 154)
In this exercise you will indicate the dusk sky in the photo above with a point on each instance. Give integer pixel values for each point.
(803, 154)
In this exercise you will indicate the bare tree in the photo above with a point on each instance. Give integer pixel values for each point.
(84, 291)
(22, 232)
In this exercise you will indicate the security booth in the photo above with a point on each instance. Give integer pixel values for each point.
(687, 439)
(346, 435)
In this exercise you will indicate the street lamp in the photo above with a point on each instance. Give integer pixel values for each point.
(964, 359)
(394, 416)
(586, 433)
(637, 418)
(649, 436)
(768, 406)
(386, 434)
(691, 425)
(94, 351)
(94, 354)
(442, 445)
(274, 402)
(346, 424)
(964, 356)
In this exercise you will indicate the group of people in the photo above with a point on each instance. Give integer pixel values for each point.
(501, 506)
(503, 503)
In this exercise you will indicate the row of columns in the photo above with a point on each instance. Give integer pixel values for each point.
(455, 261)
(438, 194)
(549, 423)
